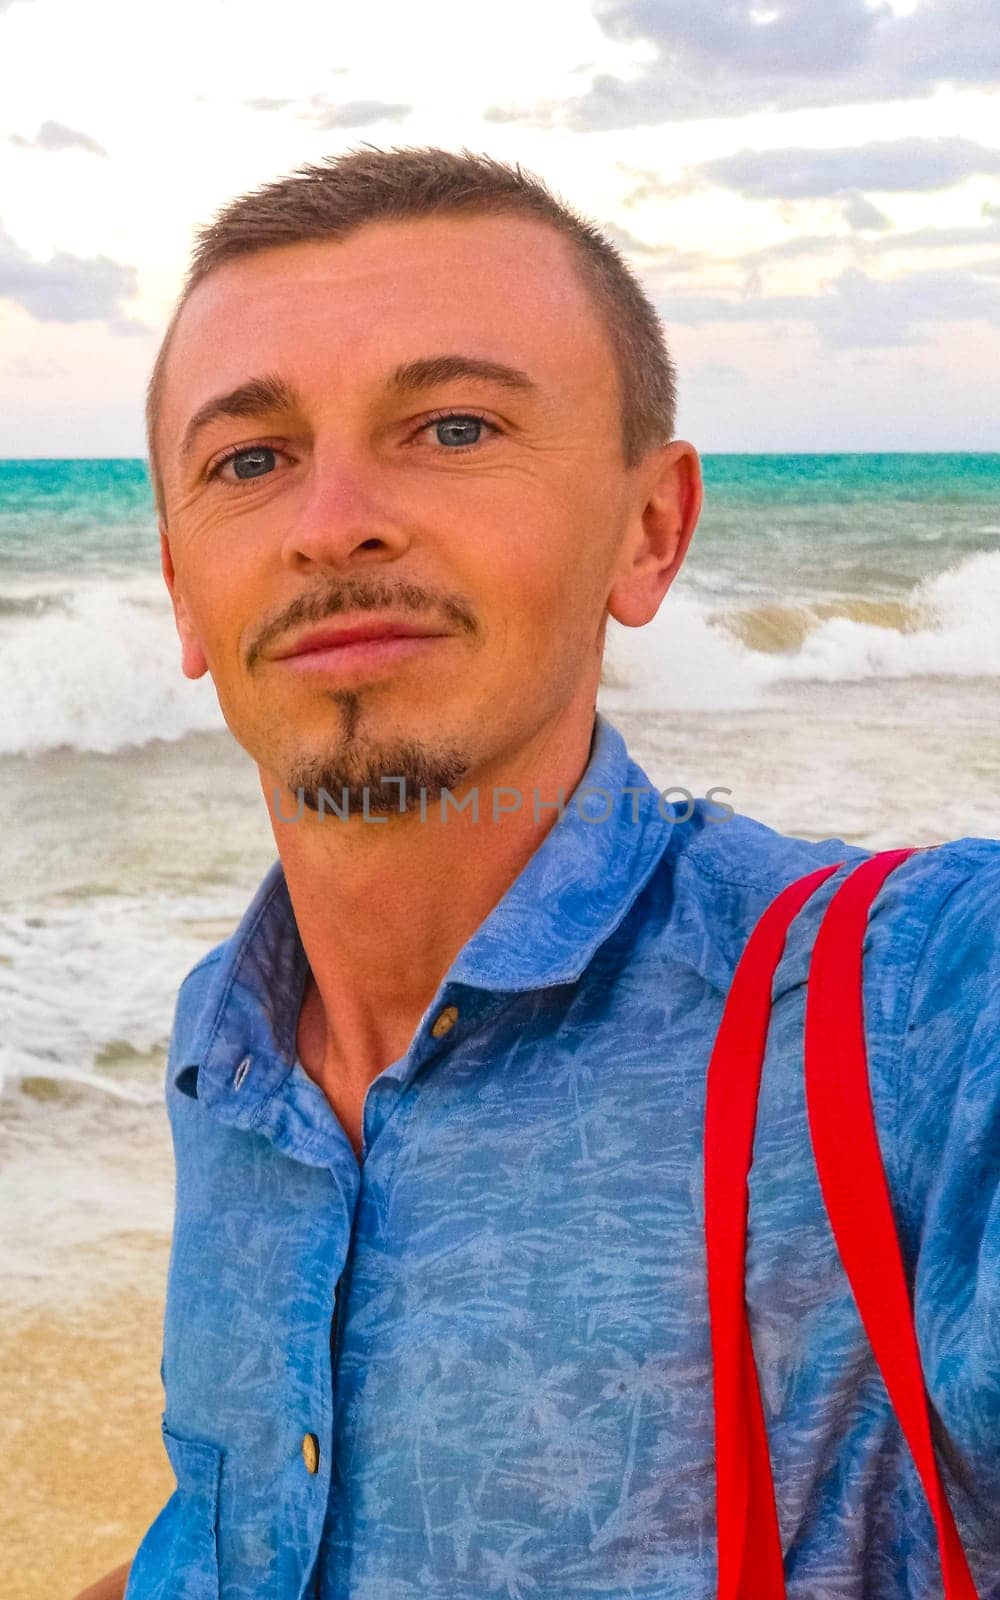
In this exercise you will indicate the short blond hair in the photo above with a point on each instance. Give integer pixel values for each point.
(331, 199)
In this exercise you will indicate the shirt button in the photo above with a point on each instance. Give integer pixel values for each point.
(445, 1021)
(241, 1072)
(310, 1452)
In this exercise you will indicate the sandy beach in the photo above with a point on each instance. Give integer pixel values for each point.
(83, 1470)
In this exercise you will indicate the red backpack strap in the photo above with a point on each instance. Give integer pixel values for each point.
(855, 1191)
(749, 1546)
(856, 1195)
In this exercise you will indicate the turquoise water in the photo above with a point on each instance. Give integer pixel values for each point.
(784, 524)
(803, 568)
(829, 654)
(804, 526)
(83, 516)
(900, 475)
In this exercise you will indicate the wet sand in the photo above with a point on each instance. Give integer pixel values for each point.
(84, 1472)
(82, 1467)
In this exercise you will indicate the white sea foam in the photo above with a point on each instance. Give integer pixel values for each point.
(679, 662)
(87, 990)
(686, 660)
(959, 636)
(100, 669)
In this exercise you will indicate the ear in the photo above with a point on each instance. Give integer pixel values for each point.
(193, 661)
(666, 513)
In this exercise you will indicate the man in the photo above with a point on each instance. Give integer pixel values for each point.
(436, 1314)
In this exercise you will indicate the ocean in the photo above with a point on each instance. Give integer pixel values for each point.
(829, 653)
(828, 658)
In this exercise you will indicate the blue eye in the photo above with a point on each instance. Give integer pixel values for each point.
(252, 463)
(459, 422)
(454, 424)
(457, 432)
(249, 461)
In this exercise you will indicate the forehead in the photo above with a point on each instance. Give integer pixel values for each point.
(505, 288)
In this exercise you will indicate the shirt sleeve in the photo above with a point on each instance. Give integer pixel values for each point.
(947, 1149)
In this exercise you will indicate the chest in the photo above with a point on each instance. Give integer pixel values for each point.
(520, 1368)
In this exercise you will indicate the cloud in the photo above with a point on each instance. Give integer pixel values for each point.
(789, 37)
(264, 103)
(857, 311)
(68, 288)
(56, 136)
(358, 114)
(800, 244)
(860, 213)
(324, 114)
(944, 238)
(890, 166)
(731, 57)
(866, 311)
(666, 256)
(817, 244)
(545, 114)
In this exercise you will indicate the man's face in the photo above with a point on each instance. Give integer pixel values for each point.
(499, 529)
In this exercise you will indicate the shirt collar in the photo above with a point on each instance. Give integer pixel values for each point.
(567, 900)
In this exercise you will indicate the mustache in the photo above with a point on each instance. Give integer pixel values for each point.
(366, 596)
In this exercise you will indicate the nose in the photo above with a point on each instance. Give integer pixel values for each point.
(344, 517)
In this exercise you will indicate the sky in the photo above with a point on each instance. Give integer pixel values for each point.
(808, 189)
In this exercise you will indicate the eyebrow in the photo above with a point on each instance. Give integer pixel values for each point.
(258, 396)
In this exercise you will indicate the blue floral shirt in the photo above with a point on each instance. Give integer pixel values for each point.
(477, 1364)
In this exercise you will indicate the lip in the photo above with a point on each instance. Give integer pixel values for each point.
(359, 654)
(333, 637)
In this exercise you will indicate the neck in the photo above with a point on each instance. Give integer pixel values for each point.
(384, 907)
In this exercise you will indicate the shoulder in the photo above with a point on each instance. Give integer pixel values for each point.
(717, 877)
(932, 1016)
(959, 953)
(930, 915)
(946, 920)
(943, 1053)
(932, 929)
(738, 851)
